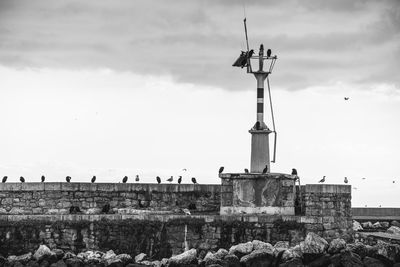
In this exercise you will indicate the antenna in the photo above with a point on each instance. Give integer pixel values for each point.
(245, 33)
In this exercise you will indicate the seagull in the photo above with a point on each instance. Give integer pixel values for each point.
(180, 180)
(4, 179)
(186, 211)
(93, 179)
(345, 180)
(158, 179)
(294, 172)
(194, 180)
(22, 179)
(322, 180)
(265, 169)
(43, 178)
(363, 178)
(221, 169)
(346, 98)
(137, 178)
(184, 170)
(125, 179)
(394, 181)
(257, 125)
(170, 179)
(68, 179)
(269, 52)
(246, 170)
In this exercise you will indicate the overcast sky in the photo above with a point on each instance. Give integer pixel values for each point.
(114, 88)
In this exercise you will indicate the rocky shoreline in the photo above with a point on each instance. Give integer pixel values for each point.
(313, 251)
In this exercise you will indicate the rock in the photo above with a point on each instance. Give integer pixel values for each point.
(18, 264)
(93, 211)
(58, 252)
(186, 257)
(59, 263)
(16, 210)
(44, 263)
(395, 223)
(23, 258)
(358, 248)
(323, 260)
(221, 253)
(261, 257)
(367, 225)
(31, 263)
(3, 211)
(388, 251)
(210, 258)
(295, 262)
(42, 252)
(377, 225)
(347, 258)
(242, 248)
(125, 258)
(114, 262)
(336, 245)
(140, 257)
(385, 224)
(74, 262)
(257, 245)
(108, 255)
(371, 262)
(68, 255)
(313, 244)
(357, 226)
(294, 252)
(393, 230)
(282, 244)
(231, 261)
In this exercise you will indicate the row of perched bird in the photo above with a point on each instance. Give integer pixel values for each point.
(93, 180)
(265, 170)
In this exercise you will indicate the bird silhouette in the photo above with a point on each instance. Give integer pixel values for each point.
(42, 178)
(346, 180)
(265, 169)
(363, 178)
(170, 179)
(125, 179)
(346, 98)
(394, 181)
(269, 52)
(184, 169)
(137, 178)
(158, 179)
(294, 172)
(246, 170)
(257, 125)
(22, 179)
(194, 180)
(68, 179)
(4, 179)
(322, 180)
(93, 179)
(221, 169)
(180, 180)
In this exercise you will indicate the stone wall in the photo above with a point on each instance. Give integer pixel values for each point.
(57, 198)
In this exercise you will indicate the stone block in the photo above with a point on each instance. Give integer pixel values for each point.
(52, 186)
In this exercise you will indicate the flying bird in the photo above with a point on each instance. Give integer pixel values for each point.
(186, 211)
(294, 172)
(22, 179)
(93, 179)
(265, 169)
(322, 180)
(246, 170)
(4, 179)
(68, 179)
(125, 179)
(269, 52)
(137, 178)
(158, 179)
(170, 179)
(180, 180)
(346, 180)
(221, 169)
(42, 178)
(346, 98)
(194, 180)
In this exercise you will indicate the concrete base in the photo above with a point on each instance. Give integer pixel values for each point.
(259, 150)
(257, 210)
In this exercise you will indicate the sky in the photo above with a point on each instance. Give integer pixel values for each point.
(114, 88)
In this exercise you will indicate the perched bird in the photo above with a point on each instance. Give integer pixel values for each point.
(158, 179)
(294, 172)
(345, 180)
(170, 179)
(4, 179)
(43, 178)
(221, 169)
(257, 125)
(322, 180)
(246, 170)
(394, 181)
(68, 179)
(137, 178)
(93, 179)
(125, 179)
(194, 180)
(184, 170)
(269, 52)
(180, 180)
(363, 178)
(106, 208)
(22, 179)
(346, 98)
(186, 211)
(265, 169)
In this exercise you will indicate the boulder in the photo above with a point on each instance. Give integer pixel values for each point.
(68, 255)
(231, 261)
(367, 225)
(336, 245)
(140, 257)
(125, 258)
(347, 258)
(24, 258)
(295, 262)
(42, 252)
(260, 257)
(385, 224)
(242, 248)
(58, 252)
(393, 230)
(108, 255)
(186, 257)
(221, 253)
(372, 262)
(313, 244)
(257, 245)
(323, 260)
(388, 251)
(357, 226)
(395, 223)
(282, 244)
(74, 262)
(213, 258)
(294, 252)
(377, 225)
(358, 248)
(93, 211)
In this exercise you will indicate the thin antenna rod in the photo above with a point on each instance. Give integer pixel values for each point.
(273, 119)
(245, 32)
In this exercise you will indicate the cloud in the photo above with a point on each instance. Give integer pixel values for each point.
(317, 42)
